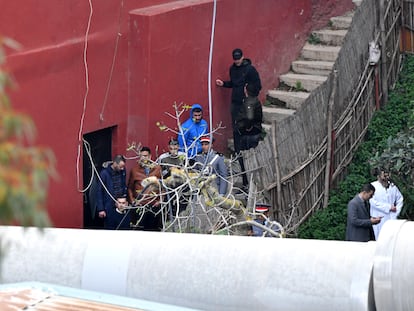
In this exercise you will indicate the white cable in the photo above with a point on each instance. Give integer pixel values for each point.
(95, 172)
(101, 116)
(86, 93)
(210, 108)
(80, 140)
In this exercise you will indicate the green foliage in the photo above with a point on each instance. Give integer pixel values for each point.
(299, 86)
(314, 39)
(396, 116)
(24, 168)
(398, 159)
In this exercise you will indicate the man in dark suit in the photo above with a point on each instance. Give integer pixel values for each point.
(359, 223)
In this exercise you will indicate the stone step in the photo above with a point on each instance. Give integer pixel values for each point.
(287, 99)
(267, 128)
(302, 82)
(330, 36)
(357, 2)
(273, 113)
(321, 68)
(320, 52)
(341, 22)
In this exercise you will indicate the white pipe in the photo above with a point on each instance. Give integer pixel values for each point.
(210, 61)
(197, 271)
(394, 268)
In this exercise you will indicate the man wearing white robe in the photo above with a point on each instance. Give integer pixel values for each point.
(386, 202)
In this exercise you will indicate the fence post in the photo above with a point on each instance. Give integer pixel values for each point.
(329, 144)
(384, 71)
(277, 168)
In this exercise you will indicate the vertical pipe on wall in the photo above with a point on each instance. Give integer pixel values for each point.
(210, 61)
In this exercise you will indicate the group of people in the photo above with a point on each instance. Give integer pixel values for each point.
(117, 195)
(192, 147)
(376, 203)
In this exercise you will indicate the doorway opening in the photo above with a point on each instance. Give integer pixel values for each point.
(100, 143)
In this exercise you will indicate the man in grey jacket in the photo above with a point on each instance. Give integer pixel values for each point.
(359, 222)
(211, 162)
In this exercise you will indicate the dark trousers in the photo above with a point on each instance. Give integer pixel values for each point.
(150, 221)
(237, 138)
(244, 142)
(116, 221)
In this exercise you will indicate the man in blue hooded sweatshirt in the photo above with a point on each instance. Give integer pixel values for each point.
(191, 132)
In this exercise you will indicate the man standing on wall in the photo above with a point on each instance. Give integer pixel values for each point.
(241, 72)
(359, 222)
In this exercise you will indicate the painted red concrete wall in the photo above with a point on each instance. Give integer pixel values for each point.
(162, 50)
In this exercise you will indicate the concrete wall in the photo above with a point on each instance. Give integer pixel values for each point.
(162, 50)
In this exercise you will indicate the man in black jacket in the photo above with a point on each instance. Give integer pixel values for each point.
(359, 223)
(249, 119)
(242, 73)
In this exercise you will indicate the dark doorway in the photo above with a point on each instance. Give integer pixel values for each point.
(100, 145)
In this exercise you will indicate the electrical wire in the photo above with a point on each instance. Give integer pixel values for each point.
(101, 116)
(85, 98)
(85, 61)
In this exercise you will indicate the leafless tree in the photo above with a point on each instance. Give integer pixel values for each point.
(190, 201)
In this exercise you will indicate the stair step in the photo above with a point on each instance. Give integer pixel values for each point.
(287, 99)
(267, 127)
(357, 2)
(321, 68)
(330, 36)
(341, 22)
(307, 82)
(273, 113)
(320, 52)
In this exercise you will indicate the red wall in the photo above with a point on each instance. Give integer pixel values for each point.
(161, 57)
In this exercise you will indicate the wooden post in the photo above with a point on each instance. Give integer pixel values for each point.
(377, 96)
(384, 69)
(277, 167)
(329, 144)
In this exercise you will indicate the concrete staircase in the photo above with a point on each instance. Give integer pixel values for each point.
(315, 63)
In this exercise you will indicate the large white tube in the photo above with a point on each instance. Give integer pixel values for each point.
(394, 267)
(197, 271)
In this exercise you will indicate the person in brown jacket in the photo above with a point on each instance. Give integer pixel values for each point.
(144, 190)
